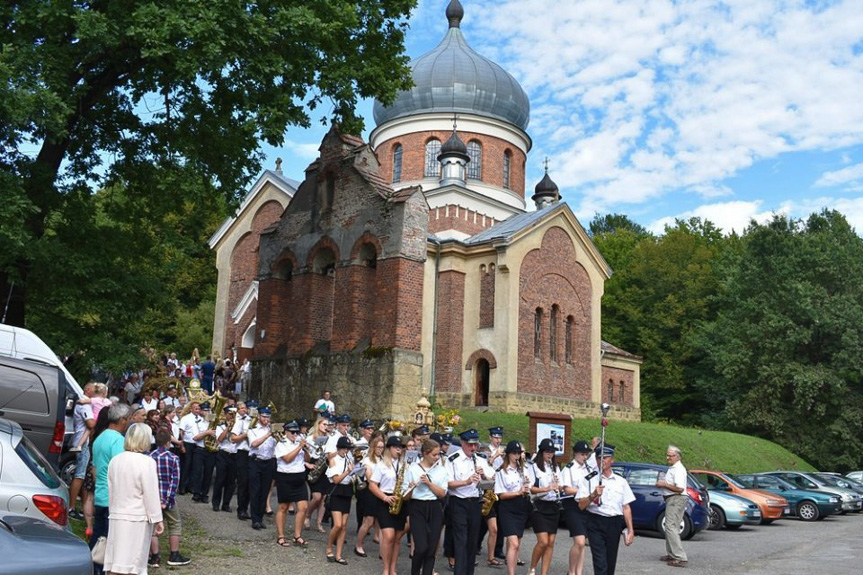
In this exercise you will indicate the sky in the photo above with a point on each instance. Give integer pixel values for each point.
(657, 109)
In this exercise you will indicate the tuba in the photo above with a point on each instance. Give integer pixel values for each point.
(211, 442)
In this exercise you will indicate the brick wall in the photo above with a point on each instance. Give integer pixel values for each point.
(450, 332)
(551, 276)
(616, 376)
(486, 295)
(454, 217)
(353, 308)
(398, 304)
(413, 157)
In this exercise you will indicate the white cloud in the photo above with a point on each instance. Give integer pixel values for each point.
(728, 216)
(306, 152)
(851, 174)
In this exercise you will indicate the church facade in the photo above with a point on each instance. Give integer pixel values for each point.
(411, 265)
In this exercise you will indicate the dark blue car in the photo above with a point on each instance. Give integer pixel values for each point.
(648, 510)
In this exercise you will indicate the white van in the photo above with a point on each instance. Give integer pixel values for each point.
(20, 343)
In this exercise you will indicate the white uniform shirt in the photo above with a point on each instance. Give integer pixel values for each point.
(265, 450)
(615, 495)
(571, 474)
(332, 441)
(203, 425)
(422, 492)
(676, 475)
(241, 426)
(295, 465)
(340, 465)
(172, 401)
(189, 426)
(543, 479)
(509, 479)
(384, 474)
(225, 445)
(495, 460)
(460, 467)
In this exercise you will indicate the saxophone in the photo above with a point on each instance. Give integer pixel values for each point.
(488, 499)
(398, 492)
(211, 442)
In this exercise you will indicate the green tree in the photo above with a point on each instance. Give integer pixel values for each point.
(168, 99)
(785, 352)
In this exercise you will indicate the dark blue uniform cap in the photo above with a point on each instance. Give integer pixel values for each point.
(495, 431)
(607, 452)
(469, 436)
(366, 424)
(343, 418)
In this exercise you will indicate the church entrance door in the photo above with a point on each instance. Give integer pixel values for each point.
(481, 375)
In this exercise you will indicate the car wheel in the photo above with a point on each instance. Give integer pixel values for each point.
(808, 511)
(717, 518)
(733, 526)
(767, 521)
(67, 467)
(686, 531)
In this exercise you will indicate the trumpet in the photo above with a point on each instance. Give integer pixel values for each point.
(254, 423)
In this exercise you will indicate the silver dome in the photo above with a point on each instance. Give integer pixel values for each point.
(453, 78)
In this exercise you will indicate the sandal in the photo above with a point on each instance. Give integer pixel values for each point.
(331, 558)
(677, 563)
(300, 541)
(283, 541)
(341, 561)
(321, 529)
(520, 562)
(495, 563)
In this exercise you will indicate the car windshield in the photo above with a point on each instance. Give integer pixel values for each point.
(734, 481)
(37, 464)
(830, 480)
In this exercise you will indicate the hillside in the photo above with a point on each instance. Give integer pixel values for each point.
(646, 442)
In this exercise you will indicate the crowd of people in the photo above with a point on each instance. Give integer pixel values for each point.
(446, 494)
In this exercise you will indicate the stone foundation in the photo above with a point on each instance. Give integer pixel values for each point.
(507, 402)
(375, 384)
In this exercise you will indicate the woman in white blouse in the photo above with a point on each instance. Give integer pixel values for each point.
(546, 512)
(339, 473)
(291, 484)
(372, 458)
(383, 484)
(425, 486)
(512, 487)
(576, 519)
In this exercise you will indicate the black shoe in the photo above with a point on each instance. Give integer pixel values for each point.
(75, 514)
(205, 499)
(176, 559)
(257, 526)
(216, 508)
(196, 499)
(154, 560)
(243, 516)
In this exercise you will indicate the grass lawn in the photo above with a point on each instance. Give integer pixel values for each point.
(646, 442)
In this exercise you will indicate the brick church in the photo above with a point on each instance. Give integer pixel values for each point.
(413, 265)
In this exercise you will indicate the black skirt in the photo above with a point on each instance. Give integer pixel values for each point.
(340, 498)
(389, 521)
(291, 487)
(545, 517)
(512, 516)
(322, 485)
(576, 519)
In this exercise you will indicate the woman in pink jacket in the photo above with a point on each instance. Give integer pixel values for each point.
(134, 507)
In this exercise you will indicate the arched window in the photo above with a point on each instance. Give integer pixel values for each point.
(474, 167)
(610, 391)
(537, 333)
(369, 255)
(569, 323)
(284, 270)
(507, 166)
(324, 262)
(621, 396)
(432, 165)
(397, 163)
(552, 332)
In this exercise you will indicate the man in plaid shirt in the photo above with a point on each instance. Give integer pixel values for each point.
(168, 468)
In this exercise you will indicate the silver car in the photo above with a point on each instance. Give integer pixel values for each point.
(851, 501)
(33, 547)
(28, 484)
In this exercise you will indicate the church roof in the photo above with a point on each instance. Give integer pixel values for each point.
(608, 348)
(509, 227)
(453, 78)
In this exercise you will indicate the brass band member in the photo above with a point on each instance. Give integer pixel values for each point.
(226, 463)
(239, 437)
(342, 492)
(490, 523)
(608, 513)
(383, 485)
(546, 514)
(465, 471)
(204, 462)
(576, 519)
(512, 486)
(372, 458)
(291, 482)
(262, 467)
(322, 486)
(425, 486)
(188, 430)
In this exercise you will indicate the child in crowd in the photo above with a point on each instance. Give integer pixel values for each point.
(168, 467)
(97, 402)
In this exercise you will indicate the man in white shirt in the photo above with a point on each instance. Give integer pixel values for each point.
(188, 431)
(325, 404)
(674, 493)
(240, 438)
(465, 472)
(343, 426)
(606, 498)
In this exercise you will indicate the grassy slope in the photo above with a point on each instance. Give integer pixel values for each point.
(646, 442)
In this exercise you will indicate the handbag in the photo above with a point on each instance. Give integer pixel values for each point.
(98, 550)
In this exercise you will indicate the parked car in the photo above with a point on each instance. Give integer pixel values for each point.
(855, 475)
(30, 546)
(648, 510)
(836, 480)
(772, 506)
(807, 504)
(729, 511)
(851, 501)
(28, 484)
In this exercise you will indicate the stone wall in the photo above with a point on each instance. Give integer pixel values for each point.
(508, 402)
(377, 384)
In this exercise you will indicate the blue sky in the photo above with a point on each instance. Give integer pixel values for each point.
(664, 109)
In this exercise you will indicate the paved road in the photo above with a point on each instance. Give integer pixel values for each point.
(833, 546)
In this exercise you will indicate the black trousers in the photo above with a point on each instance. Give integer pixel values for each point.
(226, 479)
(242, 461)
(604, 536)
(426, 524)
(261, 474)
(100, 529)
(202, 472)
(186, 469)
(448, 547)
(466, 517)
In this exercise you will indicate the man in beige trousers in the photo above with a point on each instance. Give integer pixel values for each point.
(674, 493)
